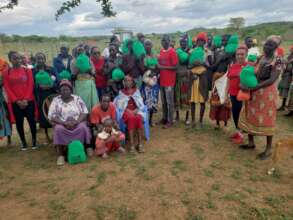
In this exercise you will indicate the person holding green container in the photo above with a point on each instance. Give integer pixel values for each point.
(85, 86)
(113, 71)
(45, 86)
(199, 89)
(133, 60)
(150, 87)
(183, 83)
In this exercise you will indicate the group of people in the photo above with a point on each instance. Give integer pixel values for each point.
(102, 98)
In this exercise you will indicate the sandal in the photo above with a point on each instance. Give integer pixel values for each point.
(264, 155)
(247, 147)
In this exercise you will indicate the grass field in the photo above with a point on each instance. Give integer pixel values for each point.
(185, 174)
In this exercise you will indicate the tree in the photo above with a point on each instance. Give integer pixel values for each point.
(236, 23)
(107, 9)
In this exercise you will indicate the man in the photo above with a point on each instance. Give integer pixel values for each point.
(168, 61)
(113, 41)
(103, 111)
(140, 37)
(63, 60)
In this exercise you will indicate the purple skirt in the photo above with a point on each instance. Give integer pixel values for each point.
(63, 136)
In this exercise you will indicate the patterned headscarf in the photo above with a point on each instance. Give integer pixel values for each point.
(65, 83)
(276, 38)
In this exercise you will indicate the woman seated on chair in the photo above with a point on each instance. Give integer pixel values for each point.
(131, 110)
(68, 113)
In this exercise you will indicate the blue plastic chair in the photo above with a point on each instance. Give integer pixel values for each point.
(123, 126)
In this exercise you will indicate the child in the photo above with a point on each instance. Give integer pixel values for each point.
(109, 139)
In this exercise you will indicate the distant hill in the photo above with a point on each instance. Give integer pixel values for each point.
(259, 31)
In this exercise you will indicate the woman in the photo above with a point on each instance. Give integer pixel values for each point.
(286, 80)
(183, 85)
(101, 78)
(42, 91)
(150, 87)
(113, 62)
(84, 84)
(5, 127)
(130, 103)
(234, 87)
(223, 59)
(19, 86)
(199, 89)
(258, 118)
(68, 114)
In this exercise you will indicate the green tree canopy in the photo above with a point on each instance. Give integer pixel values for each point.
(107, 9)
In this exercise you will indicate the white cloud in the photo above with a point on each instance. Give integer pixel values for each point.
(37, 16)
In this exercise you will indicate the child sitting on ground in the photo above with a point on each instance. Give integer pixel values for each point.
(109, 139)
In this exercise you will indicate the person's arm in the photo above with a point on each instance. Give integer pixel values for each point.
(30, 84)
(9, 91)
(82, 117)
(276, 71)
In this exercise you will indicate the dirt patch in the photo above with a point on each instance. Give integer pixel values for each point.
(184, 174)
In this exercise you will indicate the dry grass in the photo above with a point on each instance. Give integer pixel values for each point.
(184, 174)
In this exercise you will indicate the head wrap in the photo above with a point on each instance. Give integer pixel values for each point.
(280, 52)
(148, 41)
(65, 83)
(202, 36)
(277, 39)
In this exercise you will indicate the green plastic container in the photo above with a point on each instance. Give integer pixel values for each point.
(248, 77)
(83, 63)
(118, 74)
(196, 55)
(182, 55)
(76, 153)
(64, 75)
(43, 78)
(217, 41)
(150, 62)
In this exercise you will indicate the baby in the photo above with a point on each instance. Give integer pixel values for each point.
(109, 139)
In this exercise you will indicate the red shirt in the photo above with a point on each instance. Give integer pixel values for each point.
(98, 116)
(234, 78)
(101, 78)
(19, 84)
(168, 58)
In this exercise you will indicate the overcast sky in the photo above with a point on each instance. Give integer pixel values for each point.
(148, 16)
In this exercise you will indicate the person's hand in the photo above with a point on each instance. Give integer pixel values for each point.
(244, 88)
(45, 87)
(135, 111)
(194, 77)
(22, 104)
(160, 67)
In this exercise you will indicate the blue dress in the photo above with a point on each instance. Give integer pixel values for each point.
(5, 128)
